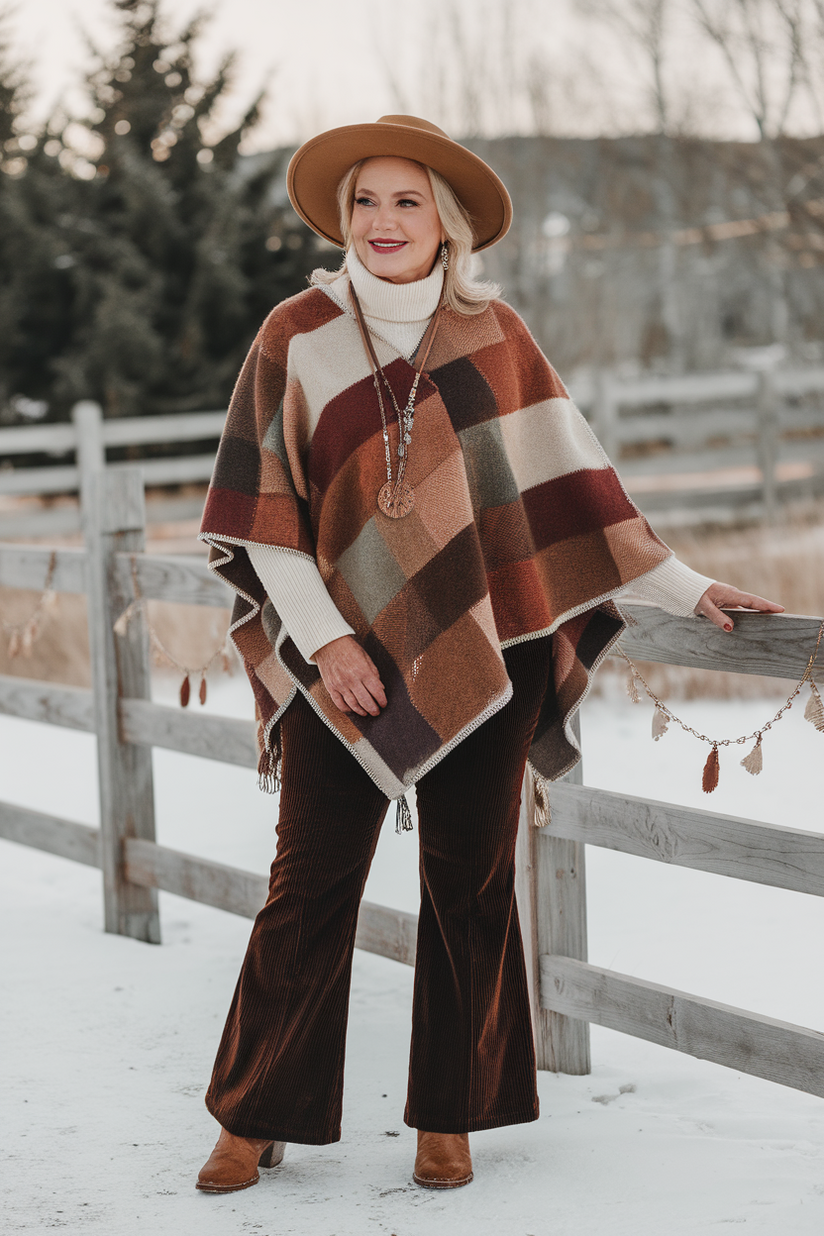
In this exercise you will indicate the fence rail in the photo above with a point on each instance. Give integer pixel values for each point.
(567, 992)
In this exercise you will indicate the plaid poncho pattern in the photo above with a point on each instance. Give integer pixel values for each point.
(521, 529)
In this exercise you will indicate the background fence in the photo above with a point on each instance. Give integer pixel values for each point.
(718, 445)
(567, 992)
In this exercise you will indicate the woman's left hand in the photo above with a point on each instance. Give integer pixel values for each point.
(718, 595)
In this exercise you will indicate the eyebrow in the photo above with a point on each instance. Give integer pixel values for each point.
(400, 193)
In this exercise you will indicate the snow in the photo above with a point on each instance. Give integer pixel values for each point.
(107, 1044)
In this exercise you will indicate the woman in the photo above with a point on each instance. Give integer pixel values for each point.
(425, 541)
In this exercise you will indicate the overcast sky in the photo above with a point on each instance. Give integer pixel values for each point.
(329, 62)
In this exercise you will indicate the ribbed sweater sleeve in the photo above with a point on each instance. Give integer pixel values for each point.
(671, 585)
(296, 589)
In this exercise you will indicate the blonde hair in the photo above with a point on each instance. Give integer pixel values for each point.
(463, 292)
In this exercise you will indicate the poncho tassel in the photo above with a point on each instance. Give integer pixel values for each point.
(403, 816)
(710, 780)
(269, 763)
(814, 711)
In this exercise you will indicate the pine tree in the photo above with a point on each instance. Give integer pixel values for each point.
(170, 271)
(32, 291)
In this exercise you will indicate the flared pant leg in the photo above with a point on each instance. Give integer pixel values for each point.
(472, 1060)
(279, 1067)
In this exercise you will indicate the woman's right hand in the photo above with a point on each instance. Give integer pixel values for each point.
(350, 677)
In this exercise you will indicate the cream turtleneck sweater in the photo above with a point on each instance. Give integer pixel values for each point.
(399, 314)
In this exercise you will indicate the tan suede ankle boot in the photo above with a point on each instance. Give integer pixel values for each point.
(443, 1160)
(233, 1164)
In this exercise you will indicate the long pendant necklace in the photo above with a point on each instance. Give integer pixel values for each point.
(396, 498)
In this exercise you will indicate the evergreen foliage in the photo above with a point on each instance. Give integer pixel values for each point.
(144, 259)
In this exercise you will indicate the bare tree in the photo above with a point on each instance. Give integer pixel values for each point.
(644, 24)
(762, 45)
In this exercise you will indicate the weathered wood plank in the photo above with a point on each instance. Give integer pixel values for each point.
(550, 885)
(29, 439)
(727, 845)
(56, 480)
(228, 739)
(176, 427)
(387, 932)
(120, 668)
(390, 933)
(773, 644)
(182, 578)
(776, 1050)
(176, 470)
(199, 879)
(26, 566)
(32, 700)
(65, 838)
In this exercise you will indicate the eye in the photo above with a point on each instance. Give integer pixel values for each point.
(407, 201)
(363, 201)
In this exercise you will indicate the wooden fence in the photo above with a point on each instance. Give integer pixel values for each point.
(567, 992)
(696, 423)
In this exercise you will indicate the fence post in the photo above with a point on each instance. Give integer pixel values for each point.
(605, 412)
(551, 890)
(90, 453)
(120, 668)
(768, 442)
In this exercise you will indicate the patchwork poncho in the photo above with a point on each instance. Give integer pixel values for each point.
(520, 529)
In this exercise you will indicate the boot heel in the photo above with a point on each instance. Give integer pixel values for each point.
(272, 1155)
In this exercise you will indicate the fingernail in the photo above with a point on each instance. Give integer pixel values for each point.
(727, 626)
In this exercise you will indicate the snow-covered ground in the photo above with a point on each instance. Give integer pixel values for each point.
(107, 1044)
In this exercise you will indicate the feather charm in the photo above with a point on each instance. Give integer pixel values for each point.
(185, 690)
(660, 723)
(202, 692)
(632, 689)
(814, 711)
(710, 779)
(754, 762)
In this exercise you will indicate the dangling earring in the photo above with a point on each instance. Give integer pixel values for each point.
(445, 255)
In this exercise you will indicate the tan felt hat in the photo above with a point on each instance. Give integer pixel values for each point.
(317, 169)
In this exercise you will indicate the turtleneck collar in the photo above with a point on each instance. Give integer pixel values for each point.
(395, 302)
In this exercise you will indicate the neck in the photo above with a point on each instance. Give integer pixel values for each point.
(395, 302)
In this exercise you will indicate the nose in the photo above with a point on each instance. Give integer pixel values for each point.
(384, 218)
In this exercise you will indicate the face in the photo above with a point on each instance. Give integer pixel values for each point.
(396, 230)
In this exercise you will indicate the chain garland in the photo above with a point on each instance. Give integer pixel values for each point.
(162, 654)
(22, 635)
(753, 762)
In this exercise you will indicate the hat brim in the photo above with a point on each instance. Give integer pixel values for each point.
(318, 167)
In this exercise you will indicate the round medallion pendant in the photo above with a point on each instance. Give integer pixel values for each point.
(396, 500)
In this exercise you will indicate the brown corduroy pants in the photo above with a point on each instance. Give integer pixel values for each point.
(279, 1067)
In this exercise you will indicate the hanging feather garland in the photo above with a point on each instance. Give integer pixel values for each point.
(542, 815)
(710, 778)
(814, 711)
(22, 635)
(754, 762)
(660, 723)
(161, 654)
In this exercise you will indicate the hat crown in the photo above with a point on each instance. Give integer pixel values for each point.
(413, 122)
